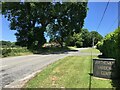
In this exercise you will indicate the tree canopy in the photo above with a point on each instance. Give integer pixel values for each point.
(32, 19)
(84, 38)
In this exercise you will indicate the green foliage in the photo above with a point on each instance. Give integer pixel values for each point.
(68, 19)
(14, 51)
(97, 37)
(110, 46)
(30, 19)
(11, 49)
(5, 52)
(89, 36)
(75, 40)
(6, 44)
(84, 38)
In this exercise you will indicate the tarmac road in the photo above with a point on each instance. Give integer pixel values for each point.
(16, 70)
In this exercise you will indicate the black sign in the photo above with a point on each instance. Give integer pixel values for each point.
(103, 68)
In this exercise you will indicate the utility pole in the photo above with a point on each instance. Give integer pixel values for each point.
(93, 41)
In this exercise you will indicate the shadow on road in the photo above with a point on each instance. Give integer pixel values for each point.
(54, 50)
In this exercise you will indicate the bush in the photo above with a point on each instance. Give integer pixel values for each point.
(110, 46)
(14, 51)
(6, 52)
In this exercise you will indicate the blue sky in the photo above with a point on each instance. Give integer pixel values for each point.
(92, 20)
(94, 16)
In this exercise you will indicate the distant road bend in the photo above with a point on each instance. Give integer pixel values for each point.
(16, 70)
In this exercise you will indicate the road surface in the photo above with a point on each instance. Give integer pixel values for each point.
(16, 70)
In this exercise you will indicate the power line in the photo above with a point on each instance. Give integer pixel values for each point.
(112, 25)
(116, 20)
(103, 15)
(118, 23)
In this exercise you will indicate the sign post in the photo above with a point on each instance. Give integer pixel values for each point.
(104, 68)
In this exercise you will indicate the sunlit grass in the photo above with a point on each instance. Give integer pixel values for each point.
(90, 50)
(70, 72)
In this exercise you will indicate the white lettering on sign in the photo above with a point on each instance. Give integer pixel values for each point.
(104, 67)
(104, 62)
(105, 73)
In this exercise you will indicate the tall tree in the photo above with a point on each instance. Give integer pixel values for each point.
(29, 19)
(76, 40)
(68, 19)
(86, 38)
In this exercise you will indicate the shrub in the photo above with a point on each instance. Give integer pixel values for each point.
(5, 52)
(14, 51)
(110, 46)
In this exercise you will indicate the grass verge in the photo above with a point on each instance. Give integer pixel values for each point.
(70, 72)
(90, 49)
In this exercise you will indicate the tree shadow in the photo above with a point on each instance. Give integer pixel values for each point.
(91, 74)
(53, 50)
(102, 56)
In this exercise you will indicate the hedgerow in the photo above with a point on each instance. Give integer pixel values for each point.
(14, 51)
(110, 46)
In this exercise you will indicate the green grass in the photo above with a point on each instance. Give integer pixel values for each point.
(101, 83)
(70, 72)
(89, 50)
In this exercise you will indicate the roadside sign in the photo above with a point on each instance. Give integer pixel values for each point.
(104, 68)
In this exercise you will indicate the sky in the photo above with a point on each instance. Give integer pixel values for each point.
(94, 15)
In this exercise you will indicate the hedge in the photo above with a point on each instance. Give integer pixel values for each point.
(110, 46)
(14, 51)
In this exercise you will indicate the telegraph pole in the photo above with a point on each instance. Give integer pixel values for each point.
(93, 41)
